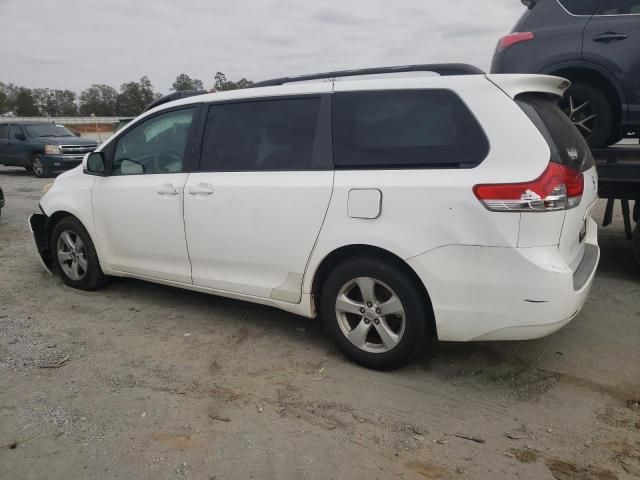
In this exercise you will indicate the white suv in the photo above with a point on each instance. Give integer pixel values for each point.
(398, 209)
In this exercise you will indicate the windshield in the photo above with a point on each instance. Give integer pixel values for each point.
(48, 130)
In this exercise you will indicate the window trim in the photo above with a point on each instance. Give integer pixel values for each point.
(188, 160)
(433, 166)
(322, 152)
(599, 4)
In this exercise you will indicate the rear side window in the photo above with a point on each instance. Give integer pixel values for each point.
(580, 7)
(619, 7)
(567, 145)
(405, 129)
(261, 135)
(4, 131)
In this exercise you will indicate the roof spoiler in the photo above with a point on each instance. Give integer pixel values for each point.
(514, 85)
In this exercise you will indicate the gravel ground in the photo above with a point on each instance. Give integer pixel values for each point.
(145, 381)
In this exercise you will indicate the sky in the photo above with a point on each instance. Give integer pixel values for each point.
(71, 44)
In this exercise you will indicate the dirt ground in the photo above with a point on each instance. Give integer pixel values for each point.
(144, 381)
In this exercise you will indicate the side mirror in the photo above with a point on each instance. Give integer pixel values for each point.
(94, 164)
(20, 136)
(77, 134)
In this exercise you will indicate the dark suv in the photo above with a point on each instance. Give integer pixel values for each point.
(593, 43)
(42, 147)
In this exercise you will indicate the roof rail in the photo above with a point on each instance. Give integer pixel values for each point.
(443, 69)
(174, 96)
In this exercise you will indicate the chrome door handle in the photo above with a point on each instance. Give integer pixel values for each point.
(200, 189)
(169, 190)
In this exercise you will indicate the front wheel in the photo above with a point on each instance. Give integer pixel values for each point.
(374, 312)
(74, 255)
(40, 169)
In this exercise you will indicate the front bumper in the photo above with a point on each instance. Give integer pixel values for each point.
(492, 293)
(39, 226)
(61, 162)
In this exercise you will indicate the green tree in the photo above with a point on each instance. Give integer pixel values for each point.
(99, 100)
(8, 96)
(135, 96)
(222, 83)
(56, 103)
(185, 82)
(26, 103)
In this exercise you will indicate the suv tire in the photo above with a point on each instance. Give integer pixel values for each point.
(353, 300)
(74, 255)
(583, 100)
(40, 169)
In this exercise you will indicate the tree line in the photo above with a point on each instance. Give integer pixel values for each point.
(99, 99)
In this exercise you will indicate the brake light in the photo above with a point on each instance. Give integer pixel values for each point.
(558, 188)
(513, 38)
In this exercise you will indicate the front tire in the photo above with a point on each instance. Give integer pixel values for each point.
(374, 312)
(74, 255)
(40, 169)
(591, 112)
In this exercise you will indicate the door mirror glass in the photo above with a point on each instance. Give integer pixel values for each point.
(94, 164)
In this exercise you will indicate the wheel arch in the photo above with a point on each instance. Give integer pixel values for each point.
(595, 75)
(335, 257)
(55, 218)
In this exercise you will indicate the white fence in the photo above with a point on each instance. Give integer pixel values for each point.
(63, 120)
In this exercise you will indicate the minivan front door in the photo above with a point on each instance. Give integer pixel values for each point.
(138, 209)
(254, 211)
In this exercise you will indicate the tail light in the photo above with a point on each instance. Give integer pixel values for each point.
(558, 188)
(513, 38)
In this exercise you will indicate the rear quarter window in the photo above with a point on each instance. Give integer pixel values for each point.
(405, 129)
(568, 146)
(580, 7)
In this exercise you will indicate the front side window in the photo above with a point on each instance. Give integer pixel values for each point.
(260, 135)
(15, 131)
(405, 129)
(4, 132)
(619, 7)
(157, 145)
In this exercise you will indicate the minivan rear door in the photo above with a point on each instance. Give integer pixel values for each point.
(612, 40)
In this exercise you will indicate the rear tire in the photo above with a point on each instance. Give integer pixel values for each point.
(591, 112)
(74, 255)
(375, 313)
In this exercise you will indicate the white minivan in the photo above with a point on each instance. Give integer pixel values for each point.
(399, 209)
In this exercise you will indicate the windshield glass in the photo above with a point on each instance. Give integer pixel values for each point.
(48, 130)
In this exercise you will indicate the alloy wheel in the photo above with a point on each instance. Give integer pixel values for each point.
(38, 167)
(581, 113)
(370, 315)
(72, 255)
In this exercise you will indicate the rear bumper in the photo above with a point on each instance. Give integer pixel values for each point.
(38, 224)
(484, 293)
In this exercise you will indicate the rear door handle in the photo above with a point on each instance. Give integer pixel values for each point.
(201, 189)
(168, 190)
(609, 37)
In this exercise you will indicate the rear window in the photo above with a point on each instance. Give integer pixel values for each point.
(4, 131)
(405, 129)
(580, 7)
(567, 145)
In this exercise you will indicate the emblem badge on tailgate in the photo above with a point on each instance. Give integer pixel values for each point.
(573, 153)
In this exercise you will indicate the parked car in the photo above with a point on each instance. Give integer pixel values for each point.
(593, 43)
(41, 147)
(398, 209)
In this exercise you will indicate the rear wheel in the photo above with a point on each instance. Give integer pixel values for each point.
(40, 169)
(74, 255)
(591, 112)
(374, 312)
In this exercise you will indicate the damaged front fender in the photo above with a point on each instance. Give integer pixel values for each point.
(38, 224)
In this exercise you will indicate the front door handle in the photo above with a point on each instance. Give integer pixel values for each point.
(201, 189)
(609, 37)
(168, 190)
